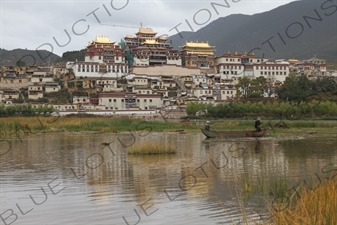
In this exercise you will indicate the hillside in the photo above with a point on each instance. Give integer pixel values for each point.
(74, 55)
(313, 22)
(29, 57)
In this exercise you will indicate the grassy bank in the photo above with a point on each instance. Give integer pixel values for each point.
(76, 124)
(10, 125)
(293, 203)
(314, 207)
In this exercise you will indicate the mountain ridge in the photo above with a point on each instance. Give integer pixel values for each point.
(300, 29)
(313, 22)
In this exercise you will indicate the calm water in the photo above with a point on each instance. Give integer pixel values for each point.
(55, 179)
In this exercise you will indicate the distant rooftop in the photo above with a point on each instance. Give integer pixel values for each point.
(313, 59)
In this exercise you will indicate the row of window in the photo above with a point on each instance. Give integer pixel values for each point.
(95, 68)
(232, 72)
(232, 67)
(262, 73)
(271, 67)
(147, 92)
(232, 60)
(206, 92)
(273, 73)
(89, 68)
(107, 108)
(32, 88)
(106, 82)
(66, 107)
(116, 71)
(122, 100)
(210, 92)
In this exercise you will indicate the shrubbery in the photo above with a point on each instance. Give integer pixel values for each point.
(25, 110)
(290, 110)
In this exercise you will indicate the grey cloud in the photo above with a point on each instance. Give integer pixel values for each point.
(29, 24)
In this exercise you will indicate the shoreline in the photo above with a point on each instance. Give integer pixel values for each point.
(10, 126)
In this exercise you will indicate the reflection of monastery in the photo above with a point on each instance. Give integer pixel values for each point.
(149, 176)
(107, 177)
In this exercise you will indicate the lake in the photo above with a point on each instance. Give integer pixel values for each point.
(88, 178)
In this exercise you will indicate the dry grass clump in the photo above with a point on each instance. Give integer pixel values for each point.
(318, 206)
(148, 148)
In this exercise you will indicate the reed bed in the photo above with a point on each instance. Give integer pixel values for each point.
(34, 124)
(317, 207)
(265, 186)
(152, 149)
(104, 124)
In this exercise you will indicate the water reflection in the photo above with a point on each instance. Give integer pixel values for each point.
(257, 145)
(203, 180)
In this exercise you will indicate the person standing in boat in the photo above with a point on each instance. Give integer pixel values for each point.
(207, 125)
(257, 124)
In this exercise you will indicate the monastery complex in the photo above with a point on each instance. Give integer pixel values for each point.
(144, 73)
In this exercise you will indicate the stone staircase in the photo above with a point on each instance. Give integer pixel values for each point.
(180, 84)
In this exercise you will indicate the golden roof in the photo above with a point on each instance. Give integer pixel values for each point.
(130, 36)
(200, 53)
(151, 42)
(146, 31)
(163, 38)
(102, 40)
(197, 45)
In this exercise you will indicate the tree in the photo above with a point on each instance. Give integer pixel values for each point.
(266, 86)
(20, 63)
(244, 86)
(295, 88)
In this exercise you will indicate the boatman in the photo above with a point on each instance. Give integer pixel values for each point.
(257, 124)
(207, 126)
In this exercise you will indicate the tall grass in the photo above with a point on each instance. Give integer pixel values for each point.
(308, 109)
(317, 207)
(119, 124)
(266, 185)
(293, 205)
(103, 124)
(148, 148)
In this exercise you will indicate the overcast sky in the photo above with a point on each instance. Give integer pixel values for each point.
(30, 24)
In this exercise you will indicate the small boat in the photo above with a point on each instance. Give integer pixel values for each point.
(234, 133)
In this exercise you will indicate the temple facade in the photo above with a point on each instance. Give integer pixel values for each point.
(103, 59)
(231, 66)
(198, 54)
(147, 49)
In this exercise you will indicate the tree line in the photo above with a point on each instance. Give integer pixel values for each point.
(25, 110)
(298, 96)
(294, 88)
(287, 110)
